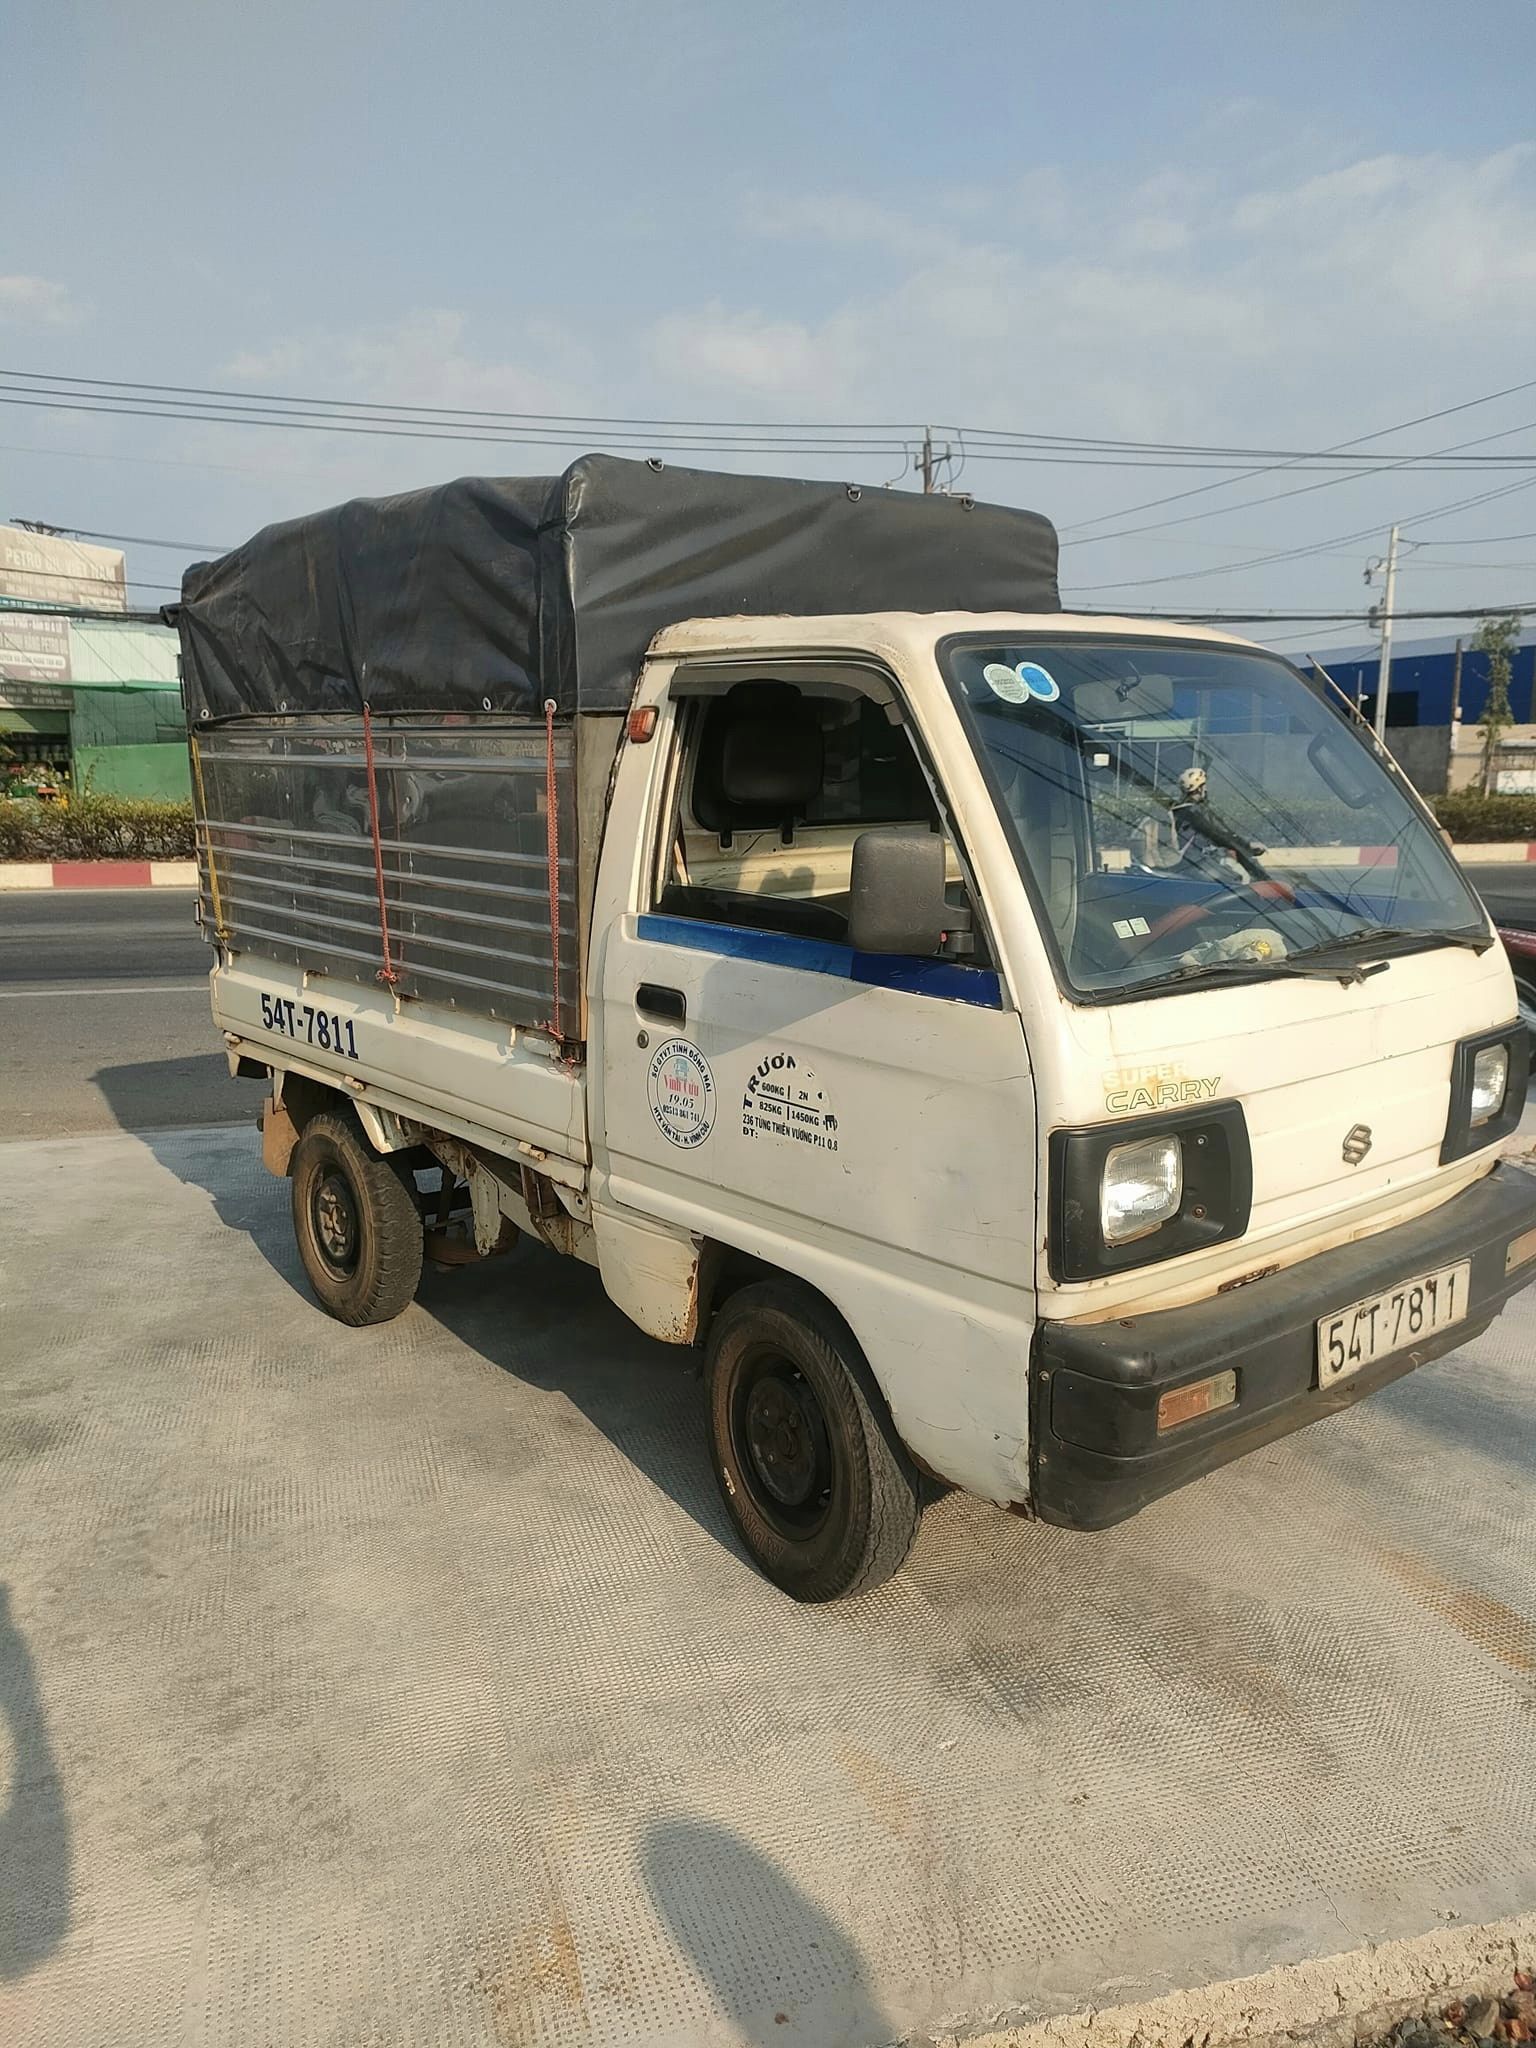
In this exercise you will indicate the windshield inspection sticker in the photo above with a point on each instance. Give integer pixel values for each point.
(1005, 682)
(1039, 681)
(682, 1092)
(1018, 685)
(784, 1099)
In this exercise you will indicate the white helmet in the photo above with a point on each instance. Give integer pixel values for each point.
(1192, 783)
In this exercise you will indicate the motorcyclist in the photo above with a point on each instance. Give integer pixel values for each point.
(1201, 834)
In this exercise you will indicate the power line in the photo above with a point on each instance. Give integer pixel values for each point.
(70, 576)
(137, 540)
(205, 405)
(1485, 540)
(1208, 618)
(1312, 548)
(1273, 497)
(1380, 434)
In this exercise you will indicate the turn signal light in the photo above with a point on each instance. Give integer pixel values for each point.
(1200, 1397)
(641, 724)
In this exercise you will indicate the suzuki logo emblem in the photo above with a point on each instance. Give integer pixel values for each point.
(1356, 1144)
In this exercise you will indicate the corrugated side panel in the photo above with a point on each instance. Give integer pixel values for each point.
(463, 835)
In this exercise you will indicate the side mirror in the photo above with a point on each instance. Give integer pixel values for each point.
(896, 894)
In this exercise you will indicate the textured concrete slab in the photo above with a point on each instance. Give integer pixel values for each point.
(406, 1687)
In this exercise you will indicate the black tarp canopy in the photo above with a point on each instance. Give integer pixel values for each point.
(496, 593)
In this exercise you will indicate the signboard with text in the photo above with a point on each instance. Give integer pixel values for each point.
(50, 568)
(34, 649)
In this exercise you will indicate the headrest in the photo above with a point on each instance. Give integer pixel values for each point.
(773, 763)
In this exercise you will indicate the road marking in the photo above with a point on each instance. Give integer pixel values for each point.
(131, 988)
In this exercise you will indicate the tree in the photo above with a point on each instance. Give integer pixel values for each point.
(1497, 637)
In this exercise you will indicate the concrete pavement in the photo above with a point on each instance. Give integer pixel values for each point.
(406, 1685)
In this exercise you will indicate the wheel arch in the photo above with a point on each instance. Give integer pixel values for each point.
(724, 1272)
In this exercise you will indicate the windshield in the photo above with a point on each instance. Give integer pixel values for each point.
(1185, 808)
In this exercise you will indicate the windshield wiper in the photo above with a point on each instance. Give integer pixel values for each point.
(1259, 970)
(1379, 934)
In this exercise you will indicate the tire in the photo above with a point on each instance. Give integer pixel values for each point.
(355, 1218)
(811, 1471)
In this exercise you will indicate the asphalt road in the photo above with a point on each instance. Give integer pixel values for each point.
(1510, 893)
(104, 1020)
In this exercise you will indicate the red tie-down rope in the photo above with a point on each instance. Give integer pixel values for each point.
(387, 973)
(552, 837)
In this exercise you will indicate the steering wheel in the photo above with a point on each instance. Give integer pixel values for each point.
(1185, 914)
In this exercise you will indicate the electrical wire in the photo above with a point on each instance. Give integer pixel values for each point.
(137, 540)
(206, 405)
(1312, 548)
(1271, 498)
(1380, 434)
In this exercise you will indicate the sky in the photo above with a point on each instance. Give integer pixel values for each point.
(1229, 222)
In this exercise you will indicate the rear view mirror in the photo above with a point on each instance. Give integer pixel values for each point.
(1340, 760)
(896, 894)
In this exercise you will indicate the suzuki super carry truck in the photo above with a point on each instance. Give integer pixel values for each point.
(1049, 1055)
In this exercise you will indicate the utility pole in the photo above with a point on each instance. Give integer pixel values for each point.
(931, 460)
(1383, 615)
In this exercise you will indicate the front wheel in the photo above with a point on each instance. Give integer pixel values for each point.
(820, 1490)
(357, 1225)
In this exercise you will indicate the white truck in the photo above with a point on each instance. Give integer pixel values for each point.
(1046, 1055)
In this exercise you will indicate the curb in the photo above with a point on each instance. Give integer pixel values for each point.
(1494, 851)
(98, 874)
(1325, 2002)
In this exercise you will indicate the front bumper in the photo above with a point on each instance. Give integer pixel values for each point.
(1096, 1453)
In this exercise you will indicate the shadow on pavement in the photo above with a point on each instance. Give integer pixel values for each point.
(158, 1095)
(35, 1857)
(777, 1967)
(542, 1319)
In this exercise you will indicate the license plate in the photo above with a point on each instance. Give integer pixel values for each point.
(1366, 1331)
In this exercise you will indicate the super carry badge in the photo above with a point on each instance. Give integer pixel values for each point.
(1018, 684)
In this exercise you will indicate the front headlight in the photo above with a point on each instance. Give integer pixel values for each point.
(1143, 1186)
(1490, 1082)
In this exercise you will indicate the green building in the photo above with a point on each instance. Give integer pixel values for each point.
(96, 699)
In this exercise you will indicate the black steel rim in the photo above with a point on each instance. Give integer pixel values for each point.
(782, 1446)
(334, 1222)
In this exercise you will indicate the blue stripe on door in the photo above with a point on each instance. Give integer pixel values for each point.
(941, 978)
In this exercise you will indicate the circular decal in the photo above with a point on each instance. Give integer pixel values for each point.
(682, 1091)
(1038, 681)
(1005, 682)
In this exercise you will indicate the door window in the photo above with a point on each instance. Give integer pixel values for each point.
(777, 783)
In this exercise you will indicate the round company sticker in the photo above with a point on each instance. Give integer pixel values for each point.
(1005, 682)
(682, 1092)
(1038, 681)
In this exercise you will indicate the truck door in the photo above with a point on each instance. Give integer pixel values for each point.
(865, 1123)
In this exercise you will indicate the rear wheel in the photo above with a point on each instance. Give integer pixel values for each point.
(812, 1474)
(356, 1222)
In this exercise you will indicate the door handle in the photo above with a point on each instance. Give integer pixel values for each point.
(666, 1005)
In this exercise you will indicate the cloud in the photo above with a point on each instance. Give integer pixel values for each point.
(752, 354)
(37, 302)
(1173, 303)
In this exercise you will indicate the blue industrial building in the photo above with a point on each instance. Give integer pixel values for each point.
(1422, 682)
